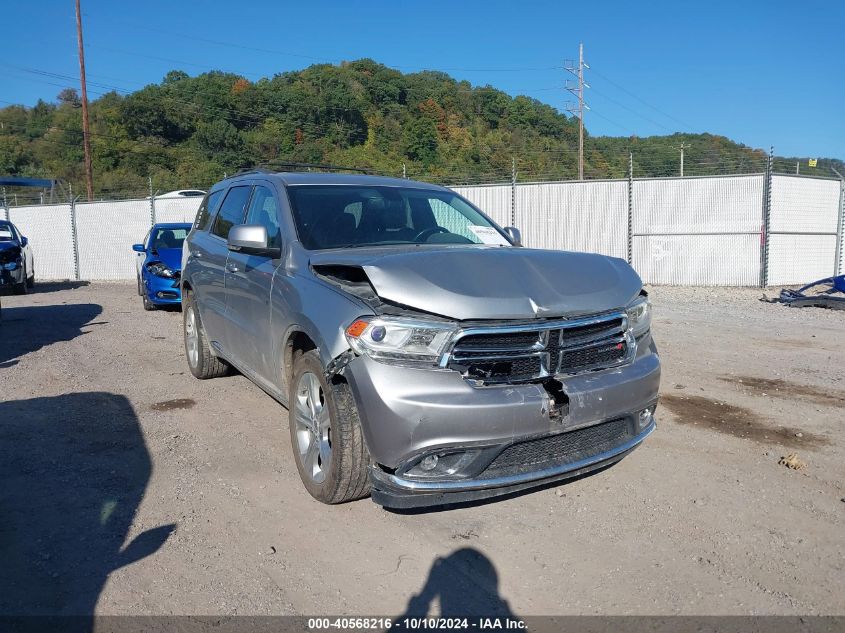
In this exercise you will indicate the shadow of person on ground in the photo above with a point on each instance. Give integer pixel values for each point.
(73, 470)
(25, 329)
(465, 584)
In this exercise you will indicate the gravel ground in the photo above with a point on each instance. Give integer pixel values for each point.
(128, 486)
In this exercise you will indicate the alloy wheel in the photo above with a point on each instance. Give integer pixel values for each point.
(313, 428)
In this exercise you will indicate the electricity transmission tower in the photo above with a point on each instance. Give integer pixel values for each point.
(578, 108)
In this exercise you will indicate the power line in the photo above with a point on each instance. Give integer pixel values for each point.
(321, 59)
(631, 94)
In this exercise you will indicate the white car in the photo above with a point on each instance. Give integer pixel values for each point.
(182, 193)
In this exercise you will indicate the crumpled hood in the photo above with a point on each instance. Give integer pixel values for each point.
(494, 283)
(170, 257)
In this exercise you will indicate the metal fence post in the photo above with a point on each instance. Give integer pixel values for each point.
(631, 208)
(74, 237)
(840, 229)
(152, 204)
(5, 206)
(513, 191)
(766, 220)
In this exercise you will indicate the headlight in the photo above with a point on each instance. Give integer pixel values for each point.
(639, 316)
(160, 270)
(402, 341)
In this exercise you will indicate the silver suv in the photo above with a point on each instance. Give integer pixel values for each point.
(424, 357)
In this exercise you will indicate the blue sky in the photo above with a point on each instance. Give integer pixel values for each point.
(761, 73)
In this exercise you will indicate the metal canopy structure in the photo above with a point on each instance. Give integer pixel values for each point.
(34, 183)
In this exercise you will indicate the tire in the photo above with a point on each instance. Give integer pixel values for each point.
(340, 473)
(140, 290)
(202, 363)
(21, 288)
(30, 281)
(149, 306)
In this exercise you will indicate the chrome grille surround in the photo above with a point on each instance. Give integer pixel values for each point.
(541, 350)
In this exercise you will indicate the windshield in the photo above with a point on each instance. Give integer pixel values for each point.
(169, 238)
(342, 216)
(6, 233)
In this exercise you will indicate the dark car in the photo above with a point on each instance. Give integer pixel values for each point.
(159, 265)
(17, 267)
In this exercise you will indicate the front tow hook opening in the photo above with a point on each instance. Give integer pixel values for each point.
(558, 404)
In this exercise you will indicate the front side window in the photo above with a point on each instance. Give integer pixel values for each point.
(264, 211)
(345, 216)
(231, 211)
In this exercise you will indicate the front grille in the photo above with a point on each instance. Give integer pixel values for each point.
(556, 450)
(507, 354)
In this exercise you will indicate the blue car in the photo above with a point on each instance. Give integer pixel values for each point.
(159, 265)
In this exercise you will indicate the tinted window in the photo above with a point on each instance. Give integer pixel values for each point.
(169, 238)
(263, 210)
(207, 208)
(231, 211)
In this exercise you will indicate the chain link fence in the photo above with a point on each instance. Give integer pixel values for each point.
(741, 230)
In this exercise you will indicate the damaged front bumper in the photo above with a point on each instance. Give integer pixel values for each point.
(163, 290)
(436, 439)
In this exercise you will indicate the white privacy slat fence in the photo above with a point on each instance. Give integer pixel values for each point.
(803, 229)
(721, 230)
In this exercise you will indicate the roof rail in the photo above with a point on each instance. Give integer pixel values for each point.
(276, 166)
(250, 170)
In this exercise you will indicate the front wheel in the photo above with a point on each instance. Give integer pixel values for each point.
(202, 363)
(326, 435)
(21, 288)
(149, 306)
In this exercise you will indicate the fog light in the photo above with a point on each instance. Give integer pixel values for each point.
(429, 463)
(645, 417)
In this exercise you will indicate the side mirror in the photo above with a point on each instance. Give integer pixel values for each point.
(138, 248)
(251, 239)
(515, 236)
(24, 241)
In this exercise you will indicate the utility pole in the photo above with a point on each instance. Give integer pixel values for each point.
(578, 91)
(682, 160)
(513, 190)
(86, 133)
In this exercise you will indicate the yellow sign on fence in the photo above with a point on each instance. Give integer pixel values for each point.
(813, 162)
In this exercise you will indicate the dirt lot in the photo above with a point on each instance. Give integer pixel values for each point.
(127, 484)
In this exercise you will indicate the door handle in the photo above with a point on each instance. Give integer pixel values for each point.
(232, 267)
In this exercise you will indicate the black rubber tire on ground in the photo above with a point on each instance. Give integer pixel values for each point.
(208, 365)
(20, 289)
(149, 306)
(140, 291)
(30, 281)
(348, 476)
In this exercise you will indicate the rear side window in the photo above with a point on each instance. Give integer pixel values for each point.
(231, 211)
(207, 208)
